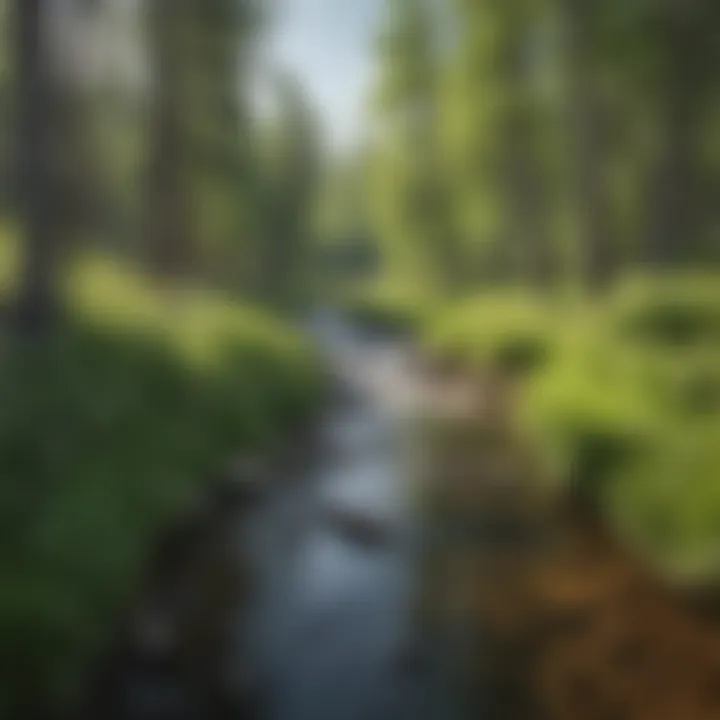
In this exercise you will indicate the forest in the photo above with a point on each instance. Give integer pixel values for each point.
(560, 225)
(533, 203)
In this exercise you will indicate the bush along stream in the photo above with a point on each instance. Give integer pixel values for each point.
(109, 432)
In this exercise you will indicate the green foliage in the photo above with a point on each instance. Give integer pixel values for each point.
(666, 502)
(107, 432)
(588, 412)
(387, 307)
(624, 409)
(673, 311)
(502, 331)
(560, 140)
(629, 413)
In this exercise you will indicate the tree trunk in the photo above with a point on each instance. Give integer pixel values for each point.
(170, 242)
(37, 303)
(587, 147)
(674, 210)
(526, 199)
(673, 221)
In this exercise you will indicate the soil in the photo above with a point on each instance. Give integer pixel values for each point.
(564, 623)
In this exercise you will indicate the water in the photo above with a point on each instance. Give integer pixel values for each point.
(332, 620)
(328, 635)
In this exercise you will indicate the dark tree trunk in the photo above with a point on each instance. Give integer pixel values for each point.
(674, 212)
(526, 202)
(170, 243)
(586, 130)
(37, 303)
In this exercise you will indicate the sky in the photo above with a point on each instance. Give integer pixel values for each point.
(328, 44)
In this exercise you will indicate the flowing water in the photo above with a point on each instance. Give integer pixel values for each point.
(328, 635)
(337, 552)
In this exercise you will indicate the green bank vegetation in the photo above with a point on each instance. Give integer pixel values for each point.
(159, 240)
(622, 398)
(107, 435)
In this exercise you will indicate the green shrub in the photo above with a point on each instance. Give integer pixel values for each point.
(623, 405)
(628, 415)
(510, 333)
(671, 311)
(386, 308)
(589, 417)
(666, 503)
(106, 432)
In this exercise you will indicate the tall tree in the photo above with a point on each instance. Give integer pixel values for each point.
(6, 102)
(645, 71)
(198, 134)
(291, 180)
(54, 158)
(409, 180)
(221, 48)
(682, 48)
(37, 303)
(172, 241)
(587, 140)
(497, 116)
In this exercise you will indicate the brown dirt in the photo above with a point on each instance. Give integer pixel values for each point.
(567, 625)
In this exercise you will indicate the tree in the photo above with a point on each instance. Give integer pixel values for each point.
(291, 178)
(199, 137)
(645, 71)
(37, 304)
(498, 123)
(683, 52)
(411, 197)
(222, 157)
(172, 240)
(587, 141)
(53, 154)
(6, 102)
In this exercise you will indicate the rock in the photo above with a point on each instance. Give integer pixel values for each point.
(241, 484)
(361, 529)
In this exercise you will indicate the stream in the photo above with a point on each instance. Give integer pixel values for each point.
(335, 547)
(331, 624)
